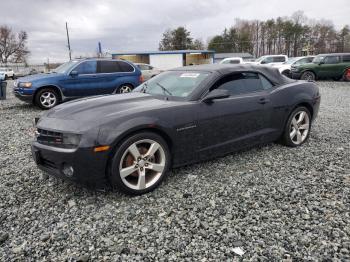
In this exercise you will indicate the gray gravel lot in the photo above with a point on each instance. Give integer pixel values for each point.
(274, 202)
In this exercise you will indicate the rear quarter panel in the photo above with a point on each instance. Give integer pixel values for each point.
(286, 98)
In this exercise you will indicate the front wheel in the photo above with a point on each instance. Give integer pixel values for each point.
(13, 77)
(46, 98)
(140, 163)
(308, 75)
(298, 126)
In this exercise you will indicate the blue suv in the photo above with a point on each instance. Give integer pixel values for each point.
(78, 78)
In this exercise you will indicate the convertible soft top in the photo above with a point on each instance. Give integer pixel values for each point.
(270, 72)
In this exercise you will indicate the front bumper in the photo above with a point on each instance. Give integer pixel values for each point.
(23, 97)
(89, 167)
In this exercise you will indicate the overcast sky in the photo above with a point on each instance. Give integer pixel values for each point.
(131, 25)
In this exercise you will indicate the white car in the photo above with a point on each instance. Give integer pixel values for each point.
(270, 60)
(285, 68)
(7, 73)
(148, 71)
(232, 60)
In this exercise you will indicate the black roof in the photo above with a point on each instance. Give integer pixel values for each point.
(270, 72)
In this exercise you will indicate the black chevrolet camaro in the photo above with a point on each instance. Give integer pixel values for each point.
(181, 116)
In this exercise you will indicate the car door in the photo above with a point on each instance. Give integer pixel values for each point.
(330, 68)
(82, 80)
(237, 121)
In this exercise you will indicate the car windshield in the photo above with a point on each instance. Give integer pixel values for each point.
(318, 59)
(64, 68)
(291, 60)
(173, 83)
(260, 59)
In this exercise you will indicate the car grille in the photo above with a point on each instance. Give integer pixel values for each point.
(49, 137)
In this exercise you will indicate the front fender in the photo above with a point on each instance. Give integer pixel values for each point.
(112, 134)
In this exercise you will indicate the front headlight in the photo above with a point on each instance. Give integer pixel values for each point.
(25, 84)
(71, 140)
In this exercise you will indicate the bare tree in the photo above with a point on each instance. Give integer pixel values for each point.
(13, 46)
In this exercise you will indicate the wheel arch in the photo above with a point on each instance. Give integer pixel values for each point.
(132, 132)
(54, 87)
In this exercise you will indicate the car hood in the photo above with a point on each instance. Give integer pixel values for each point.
(36, 77)
(91, 112)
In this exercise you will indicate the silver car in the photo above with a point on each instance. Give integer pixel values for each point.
(148, 71)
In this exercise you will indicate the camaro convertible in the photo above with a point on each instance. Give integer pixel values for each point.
(181, 116)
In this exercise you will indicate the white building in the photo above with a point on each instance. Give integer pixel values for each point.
(168, 59)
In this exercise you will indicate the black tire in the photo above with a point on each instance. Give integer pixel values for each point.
(125, 88)
(6, 77)
(286, 136)
(13, 77)
(308, 75)
(346, 75)
(46, 105)
(121, 154)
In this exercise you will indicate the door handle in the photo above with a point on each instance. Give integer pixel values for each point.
(263, 100)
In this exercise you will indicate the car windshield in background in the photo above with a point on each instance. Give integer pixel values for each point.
(318, 59)
(64, 68)
(173, 83)
(291, 61)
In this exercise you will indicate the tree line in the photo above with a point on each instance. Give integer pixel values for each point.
(294, 36)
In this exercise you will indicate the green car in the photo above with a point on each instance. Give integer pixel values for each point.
(335, 66)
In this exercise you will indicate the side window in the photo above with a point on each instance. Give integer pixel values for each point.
(88, 67)
(266, 84)
(124, 67)
(331, 60)
(108, 67)
(346, 58)
(241, 83)
(267, 60)
(279, 59)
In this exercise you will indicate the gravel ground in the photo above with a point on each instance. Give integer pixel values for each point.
(274, 202)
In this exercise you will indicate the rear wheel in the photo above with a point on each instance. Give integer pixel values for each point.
(13, 77)
(308, 75)
(126, 88)
(297, 129)
(46, 98)
(346, 76)
(140, 163)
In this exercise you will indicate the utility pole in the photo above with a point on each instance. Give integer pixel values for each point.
(70, 53)
(257, 39)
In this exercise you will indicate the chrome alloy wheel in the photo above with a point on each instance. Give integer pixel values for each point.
(48, 99)
(299, 127)
(124, 89)
(142, 164)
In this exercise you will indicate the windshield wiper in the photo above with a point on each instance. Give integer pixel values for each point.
(164, 89)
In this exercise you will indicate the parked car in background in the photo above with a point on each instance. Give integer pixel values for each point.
(332, 66)
(181, 116)
(285, 68)
(148, 71)
(26, 72)
(78, 78)
(232, 60)
(7, 73)
(270, 60)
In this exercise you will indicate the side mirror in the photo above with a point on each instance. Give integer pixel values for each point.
(321, 63)
(216, 94)
(74, 73)
(263, 62)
